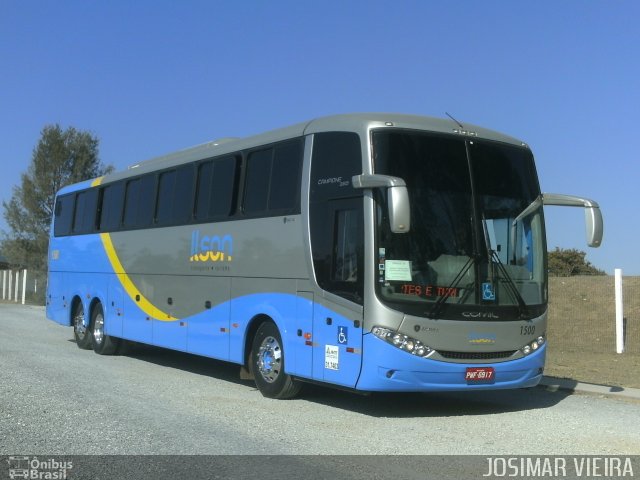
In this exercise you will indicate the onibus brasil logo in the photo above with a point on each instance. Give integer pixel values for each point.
(214, 248)
(34, 468)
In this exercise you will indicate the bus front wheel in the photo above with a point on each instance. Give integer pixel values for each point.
(102, 343)
(267, 364)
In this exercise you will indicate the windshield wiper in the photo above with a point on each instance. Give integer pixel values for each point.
(492, 257)
(443, 298)
(511, 286)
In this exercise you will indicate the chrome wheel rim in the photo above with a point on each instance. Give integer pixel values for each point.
(98, 328)
(270, 359)
(78, 323)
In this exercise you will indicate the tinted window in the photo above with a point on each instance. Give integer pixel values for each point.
(111, 210)
(85, 213)
(131, 203)
(273, 180)
(183, 195)
(257, 181)
(285, 177)
(345, 261)
(166, 186)
(139, 202)
(63, 215)
(337, 244)
(175, 196)
(147, 200)
(336, 158)
(216, 188)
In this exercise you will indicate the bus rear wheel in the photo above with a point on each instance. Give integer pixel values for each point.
(102, 343)
(268, 364)
(80, 331)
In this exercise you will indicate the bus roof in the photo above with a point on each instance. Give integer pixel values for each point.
(355, 122)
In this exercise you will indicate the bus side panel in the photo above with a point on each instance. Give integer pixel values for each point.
(208, 331)
(263, 297)
(136, 324)
(56, 300)
(88, 286)
(114, 310)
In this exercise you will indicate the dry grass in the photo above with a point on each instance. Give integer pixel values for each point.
(581, 330)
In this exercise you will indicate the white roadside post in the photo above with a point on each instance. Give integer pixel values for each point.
(10, 291)
(4, 284)
(24, 284)
(15, 298)
(619, 312)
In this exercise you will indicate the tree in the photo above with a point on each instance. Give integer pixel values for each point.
(569, 262)
(60, 158)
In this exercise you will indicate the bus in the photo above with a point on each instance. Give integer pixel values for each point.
(369, 252)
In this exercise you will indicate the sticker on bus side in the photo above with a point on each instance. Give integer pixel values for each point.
(331, 359)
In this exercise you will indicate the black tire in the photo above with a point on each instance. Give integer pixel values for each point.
(102, 343)
(267, 362)
(81, 333)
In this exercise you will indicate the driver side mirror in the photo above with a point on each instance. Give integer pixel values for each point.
(399, 209)
(592, 214)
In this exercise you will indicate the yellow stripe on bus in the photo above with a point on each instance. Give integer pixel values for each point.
(136, 295)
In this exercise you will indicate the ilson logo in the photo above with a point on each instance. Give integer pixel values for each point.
(482, 338)
(211, 248)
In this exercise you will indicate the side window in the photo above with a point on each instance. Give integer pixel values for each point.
(216, 189)
(111, 208)
(337, 243)
(346, 242)
(139, 202)
(175, 196)
(256, 185)
(336, 158)
(272, 183)
(285, 177)
(166, 184)
(183, 195)
(147, 199)
(132, 199)
(63, 215)
(84, 220)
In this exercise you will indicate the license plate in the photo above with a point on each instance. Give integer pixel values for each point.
(480, 375)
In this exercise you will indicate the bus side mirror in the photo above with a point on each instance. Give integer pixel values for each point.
(592, 214)
(399, 209)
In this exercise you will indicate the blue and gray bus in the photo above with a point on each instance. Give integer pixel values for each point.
(373, 252)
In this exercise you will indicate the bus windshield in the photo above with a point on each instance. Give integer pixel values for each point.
(476, 244)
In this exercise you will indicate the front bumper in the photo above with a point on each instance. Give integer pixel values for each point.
(386, 368)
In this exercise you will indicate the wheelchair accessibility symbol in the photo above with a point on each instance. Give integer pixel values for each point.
(343, 335)
(487, 291)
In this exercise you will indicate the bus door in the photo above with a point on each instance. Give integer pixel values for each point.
(337, 318)
(336, 228)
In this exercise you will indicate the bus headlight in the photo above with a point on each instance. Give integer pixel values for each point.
(533, 346)
(403, 342)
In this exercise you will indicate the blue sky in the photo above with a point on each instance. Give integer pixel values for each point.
(151, 77)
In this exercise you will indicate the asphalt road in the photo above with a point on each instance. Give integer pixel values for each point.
(58, 399)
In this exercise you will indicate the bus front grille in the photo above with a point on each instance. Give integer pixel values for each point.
(476, 355)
